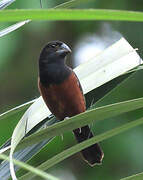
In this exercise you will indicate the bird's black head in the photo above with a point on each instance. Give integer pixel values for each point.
(52, 68)
(54, 51)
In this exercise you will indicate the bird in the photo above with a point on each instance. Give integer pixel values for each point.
(62, 92)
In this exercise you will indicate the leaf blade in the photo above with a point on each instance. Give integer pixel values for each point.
(13, 28)
(78, 147)
(82, 120)
(138, 176)
(70, 4)
(70, 14)
(5, 3)
(30, 168)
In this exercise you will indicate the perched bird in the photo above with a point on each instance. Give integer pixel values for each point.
(62, 93)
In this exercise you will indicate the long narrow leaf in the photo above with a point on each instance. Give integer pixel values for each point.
(24, 154)
(135, 69)
(5, 3)
(77, 148)
(30, 168)
(68, 14)
(134, 177)
(82, 120)
(72, 3)
(107, 65)
(12, 28)
(4, 149)
(29, 120)
(16, 110)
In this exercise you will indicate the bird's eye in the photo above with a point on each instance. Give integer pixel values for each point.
(53, 45)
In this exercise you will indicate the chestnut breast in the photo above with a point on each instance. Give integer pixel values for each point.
(65, 99)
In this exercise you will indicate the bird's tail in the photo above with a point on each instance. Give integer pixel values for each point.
(93, 154)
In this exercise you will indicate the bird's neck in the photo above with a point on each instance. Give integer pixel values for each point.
(53, 73)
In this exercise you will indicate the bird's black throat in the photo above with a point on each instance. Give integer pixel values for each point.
(53, 73)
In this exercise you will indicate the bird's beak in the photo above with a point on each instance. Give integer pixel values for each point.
(64, 49)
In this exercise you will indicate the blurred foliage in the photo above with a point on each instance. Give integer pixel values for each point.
(19, 53)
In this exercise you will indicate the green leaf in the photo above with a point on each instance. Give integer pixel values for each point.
(67, 153)
(30, 168)
(5, 3)
(83, 119)
(134, 177)
(69, 14)
(134, 70)
(71, 3)
(12, 28)
(16, 110)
